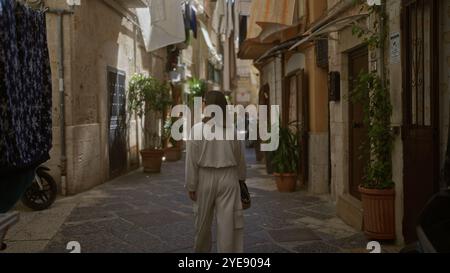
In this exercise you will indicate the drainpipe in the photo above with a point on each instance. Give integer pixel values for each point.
(62, 121)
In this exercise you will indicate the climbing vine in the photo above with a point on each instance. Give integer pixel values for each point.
(371, 90)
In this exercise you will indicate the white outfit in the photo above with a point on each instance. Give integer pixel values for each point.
(213, 171)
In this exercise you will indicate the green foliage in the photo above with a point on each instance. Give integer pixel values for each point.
(167, 131)
(197, 88)
(375, 98)
(373, 93)
(286, 158)
(147, 94)
(372, 37)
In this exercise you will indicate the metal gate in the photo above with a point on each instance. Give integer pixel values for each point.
(117, 122)
(421, 108)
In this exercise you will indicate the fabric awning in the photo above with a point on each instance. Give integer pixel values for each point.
(271, 21)
(214, 57)
(270, 36)
(270, 11)
(252, 49)
(333, 26)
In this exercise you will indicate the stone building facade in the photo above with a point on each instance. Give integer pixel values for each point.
(292, 79)
(416, 168)
(103, 48)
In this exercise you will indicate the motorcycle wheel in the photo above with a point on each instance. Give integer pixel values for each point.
(37, 199)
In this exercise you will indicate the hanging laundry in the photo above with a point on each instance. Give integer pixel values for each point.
(162, 24)
(230, 18)
(187, 21)
(193, 22)
(219, 13)
(25, 88)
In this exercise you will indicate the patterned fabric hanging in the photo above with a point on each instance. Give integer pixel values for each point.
(25, 87)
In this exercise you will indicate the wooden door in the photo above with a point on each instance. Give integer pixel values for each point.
(359, 154)
(117, 123)
(421, 109)
(296, 112)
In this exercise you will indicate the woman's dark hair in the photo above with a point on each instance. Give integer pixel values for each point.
(217, 98)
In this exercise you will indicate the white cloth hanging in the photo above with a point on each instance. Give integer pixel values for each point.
(230, 19)
(218, 14)
(162, 24)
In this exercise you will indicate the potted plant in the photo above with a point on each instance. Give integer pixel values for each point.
(172, 150)
(149, 97)
(377, 189)
(285, 160)
(371, 90)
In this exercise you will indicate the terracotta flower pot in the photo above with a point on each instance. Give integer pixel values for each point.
(172, 154)
(378, 213)
(286, 182)
(152, 160)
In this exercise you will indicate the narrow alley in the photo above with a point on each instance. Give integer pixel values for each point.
(152, 213)
(113, 113)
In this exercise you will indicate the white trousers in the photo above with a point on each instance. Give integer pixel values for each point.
(219, 192)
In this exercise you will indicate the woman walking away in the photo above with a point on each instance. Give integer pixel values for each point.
(214, 169)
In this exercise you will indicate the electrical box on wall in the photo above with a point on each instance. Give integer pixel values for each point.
(334, 85)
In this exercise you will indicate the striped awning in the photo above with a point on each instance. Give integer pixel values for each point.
(268, 24)
(280, 12)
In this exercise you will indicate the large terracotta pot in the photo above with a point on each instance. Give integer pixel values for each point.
(378, 213)
(286, 182)
(172, 154)
(152, 160)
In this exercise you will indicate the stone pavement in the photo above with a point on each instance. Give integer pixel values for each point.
(152, 214)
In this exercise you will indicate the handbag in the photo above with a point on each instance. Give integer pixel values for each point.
(245, 196)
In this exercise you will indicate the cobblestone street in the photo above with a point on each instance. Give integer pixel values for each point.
(152, 213)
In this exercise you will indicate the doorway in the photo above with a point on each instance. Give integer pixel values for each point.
(117, 123)
(296, 113)
(358, 152)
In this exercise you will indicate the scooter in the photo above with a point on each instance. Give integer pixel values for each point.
(433, 230)
(42, 192)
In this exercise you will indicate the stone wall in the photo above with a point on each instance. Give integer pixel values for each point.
(96, 37)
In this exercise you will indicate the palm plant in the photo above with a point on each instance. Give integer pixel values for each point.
(286, 158)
